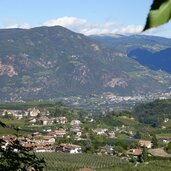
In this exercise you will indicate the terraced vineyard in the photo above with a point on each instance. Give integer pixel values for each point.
(72, 162)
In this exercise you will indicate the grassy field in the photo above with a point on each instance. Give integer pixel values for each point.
(122, 136)
(127, 121)
(15, 122)
(7, 131)
(167, 124)
(164, 135)
(10, 124)
(148, 166)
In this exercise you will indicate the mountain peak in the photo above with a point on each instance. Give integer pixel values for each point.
(48, 62)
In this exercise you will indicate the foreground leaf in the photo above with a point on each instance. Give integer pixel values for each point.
(159, 14)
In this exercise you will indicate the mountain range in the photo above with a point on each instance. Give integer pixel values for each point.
(51, 62)
(150, 51)
(156, 61)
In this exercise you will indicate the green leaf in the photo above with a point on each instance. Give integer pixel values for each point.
(159, 14)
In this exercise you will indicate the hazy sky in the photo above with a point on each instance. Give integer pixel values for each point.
(85, 16)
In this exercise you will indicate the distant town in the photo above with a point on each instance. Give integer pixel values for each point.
(109, 101)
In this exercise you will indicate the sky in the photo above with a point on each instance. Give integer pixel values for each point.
(83, 16)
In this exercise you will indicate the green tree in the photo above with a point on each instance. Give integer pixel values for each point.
(88, 146)
(138, 135)
(15, 157)
(154, 141)
(168, 148)
(144, 154)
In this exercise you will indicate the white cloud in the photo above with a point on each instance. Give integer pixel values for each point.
(69, 22)
(96, 31)
(23, 26)
(86, 27)
(111, 24)
(131, 29)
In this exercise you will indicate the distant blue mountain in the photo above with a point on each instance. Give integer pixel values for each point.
(151, 51)
(157, 61)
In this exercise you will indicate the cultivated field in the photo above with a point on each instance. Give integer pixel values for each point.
(72, 162)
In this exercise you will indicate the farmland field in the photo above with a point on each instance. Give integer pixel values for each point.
(72, 162)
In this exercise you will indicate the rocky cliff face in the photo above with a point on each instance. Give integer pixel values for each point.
(48, 62)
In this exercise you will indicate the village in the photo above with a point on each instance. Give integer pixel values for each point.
(57, 134)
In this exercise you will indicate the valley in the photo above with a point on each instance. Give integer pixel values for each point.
(64, 94)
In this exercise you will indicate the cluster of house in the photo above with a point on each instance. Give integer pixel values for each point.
(42, 143)
(35, 116)
(45, 120)
(60, 133)
(19, 114)
(112, 133)
(107, 149)
(157, 152)
(45, 144)
(138, 152)
(100, 131)
(76, 128)
(68, 148)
